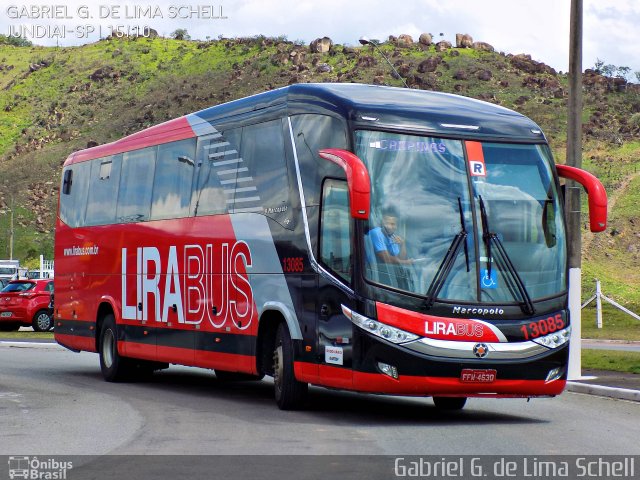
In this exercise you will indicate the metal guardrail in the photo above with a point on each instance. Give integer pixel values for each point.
(598, 297)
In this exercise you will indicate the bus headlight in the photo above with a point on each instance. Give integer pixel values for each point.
(555, 339)
(379, 329)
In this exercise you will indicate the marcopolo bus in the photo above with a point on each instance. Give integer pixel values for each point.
(357, 237)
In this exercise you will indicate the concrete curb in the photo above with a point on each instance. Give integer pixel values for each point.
(602, 391)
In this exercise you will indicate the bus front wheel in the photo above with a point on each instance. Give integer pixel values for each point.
(290, 393)
(115, 368)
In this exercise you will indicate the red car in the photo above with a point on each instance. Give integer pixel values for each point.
(26, 302)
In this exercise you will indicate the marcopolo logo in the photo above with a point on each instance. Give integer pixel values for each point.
(38, 469)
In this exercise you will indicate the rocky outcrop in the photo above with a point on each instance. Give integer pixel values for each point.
(443, 46)
(426, 39)
(461, 75)
(430, 64)
(321, 45)
(324, 68)
(526, 64)
(593, 80)
(404, 40)
(463, 40)
(366, 62)
(484, 75)
(483, 46)
(296, 57)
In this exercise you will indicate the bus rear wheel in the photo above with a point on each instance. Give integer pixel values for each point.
(290, 393)
(450, 403)
(115, 368)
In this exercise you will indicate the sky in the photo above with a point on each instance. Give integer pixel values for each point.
(537, 27)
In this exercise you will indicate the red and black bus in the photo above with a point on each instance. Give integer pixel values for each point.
(357, 237)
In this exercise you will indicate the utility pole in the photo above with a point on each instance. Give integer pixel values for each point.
(11, 231)
(572, 199)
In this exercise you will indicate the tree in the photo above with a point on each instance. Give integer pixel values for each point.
(624, 71)
(15, 40)
(609, 70)
(598, 66)
(181, 34)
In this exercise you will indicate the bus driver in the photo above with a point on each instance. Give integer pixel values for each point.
(389, 247)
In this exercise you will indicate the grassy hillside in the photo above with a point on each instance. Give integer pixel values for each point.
(57, 100)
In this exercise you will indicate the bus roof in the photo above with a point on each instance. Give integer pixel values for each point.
(365, 106)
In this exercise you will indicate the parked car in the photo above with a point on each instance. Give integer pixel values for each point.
(26, 302)
(50, 309)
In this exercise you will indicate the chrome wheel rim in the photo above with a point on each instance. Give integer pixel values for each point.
(108, 345)
(43, 321)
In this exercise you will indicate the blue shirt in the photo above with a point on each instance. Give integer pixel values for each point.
(382, 242)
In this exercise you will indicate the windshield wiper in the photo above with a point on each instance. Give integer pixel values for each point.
(447, 262)
(514, 282)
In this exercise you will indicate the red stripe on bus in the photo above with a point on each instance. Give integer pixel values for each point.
(193, 358)
(441, 328)
(474, 151)
(76, 342)
(231, 362)
(171, 131)
(336, 377)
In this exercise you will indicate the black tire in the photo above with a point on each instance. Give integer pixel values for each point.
(224, 376)
(42, 321)
(290, 393)
(450, 403)
(9, 326)
(115, 368)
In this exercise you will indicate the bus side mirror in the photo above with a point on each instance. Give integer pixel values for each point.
(596, 192)
(358, 180)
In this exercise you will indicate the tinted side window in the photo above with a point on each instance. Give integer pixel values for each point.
(173, 177)
(103, 190)
(263, 153)
(335, 229)
(136, 182)
(311, 133)
(73, 204)
(219, 163)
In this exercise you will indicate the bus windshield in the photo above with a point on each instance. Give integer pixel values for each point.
(448, 225)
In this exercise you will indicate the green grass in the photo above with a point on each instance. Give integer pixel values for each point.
(26, 335)
(615, 361)
(616, 325)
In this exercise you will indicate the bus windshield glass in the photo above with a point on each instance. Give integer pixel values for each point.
(428, 236)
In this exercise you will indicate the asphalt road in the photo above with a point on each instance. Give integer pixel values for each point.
(53, 401)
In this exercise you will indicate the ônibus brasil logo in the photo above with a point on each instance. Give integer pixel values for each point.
(35, 468)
